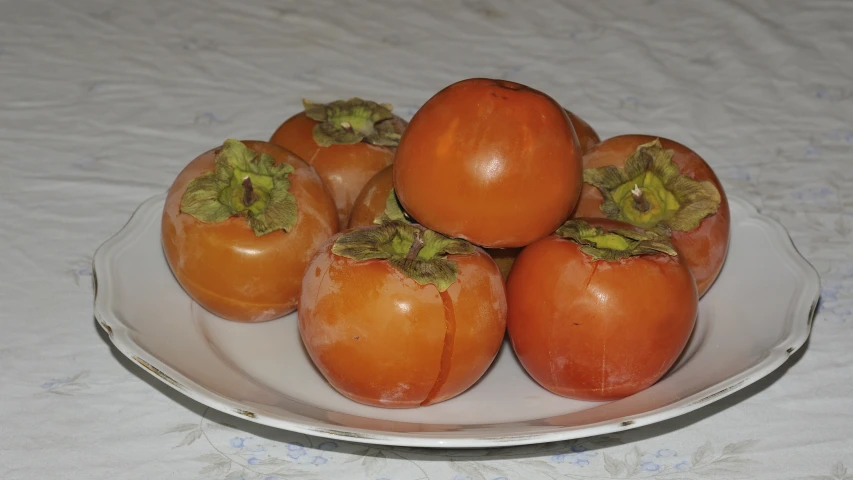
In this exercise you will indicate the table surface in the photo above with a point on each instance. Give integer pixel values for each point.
(102, 103)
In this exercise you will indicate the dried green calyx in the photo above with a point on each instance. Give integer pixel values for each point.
(615, 244)
(393, 211)
(650, 192)
(417, 252)
(243, 183)
(346, 122)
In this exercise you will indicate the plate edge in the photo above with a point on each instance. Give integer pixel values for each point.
(118, 335)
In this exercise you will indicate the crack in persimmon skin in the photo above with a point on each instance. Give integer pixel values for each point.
(594, 269)
(551, 360)
(604, 337)
(447, 348)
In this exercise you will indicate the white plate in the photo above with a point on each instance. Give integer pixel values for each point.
(754, 317)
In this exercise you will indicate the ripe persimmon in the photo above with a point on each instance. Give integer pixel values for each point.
(346, 142)
(601, 309)
(490, 161)
(660, 184)
(397, 316)
(239, 226)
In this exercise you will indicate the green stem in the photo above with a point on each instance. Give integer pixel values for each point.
(640, 202)
(249, 195)
(346, 122)
(419, 253)
(613, 244)
(417, 245)
(243, 183)
(669, 200)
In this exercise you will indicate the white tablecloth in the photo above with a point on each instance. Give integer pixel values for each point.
(102, 102)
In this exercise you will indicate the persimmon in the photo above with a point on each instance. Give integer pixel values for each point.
(601, 309)
(660, 184)
(346, 142)
(398, 316)
(239, 226)
(491, 161)
(371, 202)
(587, 136)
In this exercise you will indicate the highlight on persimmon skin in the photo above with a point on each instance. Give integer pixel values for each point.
(344, 167)
(230, 270)
(598, 329)
(587, 138)
(381, 338)
(705, 247)
(491, 161)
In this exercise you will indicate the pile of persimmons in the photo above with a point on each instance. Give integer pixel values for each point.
(410, 249)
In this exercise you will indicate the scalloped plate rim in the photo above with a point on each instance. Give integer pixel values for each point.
(119, 335)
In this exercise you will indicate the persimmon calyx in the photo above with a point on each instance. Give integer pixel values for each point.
(615, 244)
(650, 192)
(243, 183)
(393, 211)
(346, 122)
(417, 252)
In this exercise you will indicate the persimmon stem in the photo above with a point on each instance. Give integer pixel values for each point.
(249, 195)
(640, 202)
(347, 126)
(417, 245)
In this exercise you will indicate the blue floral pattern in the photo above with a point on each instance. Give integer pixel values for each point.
(249, 457)
(238, 455)
(578, 455)
(66, 385)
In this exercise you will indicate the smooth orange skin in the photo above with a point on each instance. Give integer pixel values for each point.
(705, 247)
(377, 335)
(587, 136)
(370, 203)
(345, 169)
(230, 271)
(597, 330)
(490, 161)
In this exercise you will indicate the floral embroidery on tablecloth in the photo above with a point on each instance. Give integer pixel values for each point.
(236, 455)
(66, 385)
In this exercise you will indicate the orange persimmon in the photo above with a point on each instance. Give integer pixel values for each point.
(657, 183)
(600, 310)
(490, 161)
(240, 224)
(346, 142)
(397, 316)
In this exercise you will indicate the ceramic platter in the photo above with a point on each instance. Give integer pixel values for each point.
(753, 318)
